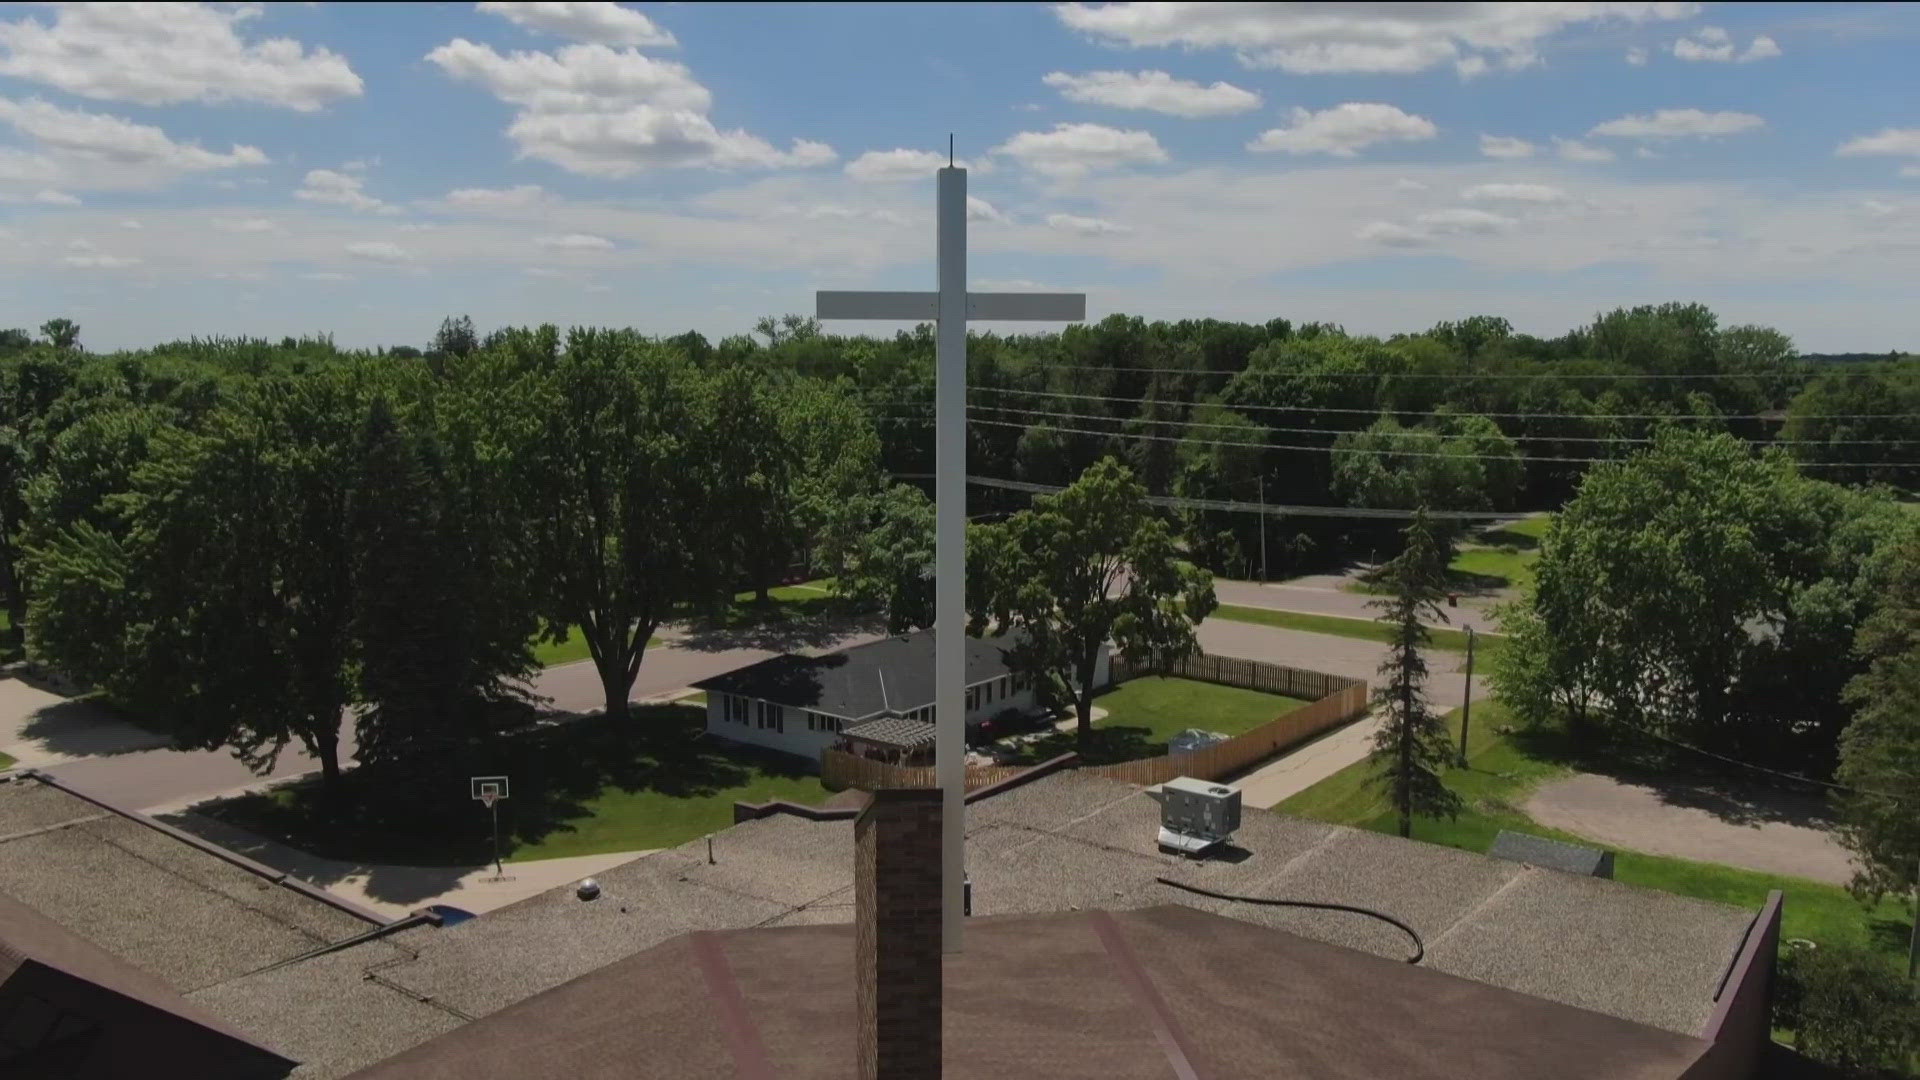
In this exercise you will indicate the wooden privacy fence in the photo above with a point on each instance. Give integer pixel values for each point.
(840, 770)
(1245, 674)
(1337, 700)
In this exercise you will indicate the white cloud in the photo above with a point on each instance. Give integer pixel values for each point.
(378, 251)
(1575, 150)
(51, 197)
(1464, 220)
(979, 209)
(1344, 130)
(1910, 172)
(1075, 149)
(1521, 193)
(1408, 184)
(169, 54)
(327, 275)
(340, 189)
(73, 148)
(576, 242)
(1715, 45)
(477, 198)
(84, 255)
(1679, 123)
(1153, 91)
(1899, 142)
(1084, 226)
(130, 223)
(602, 24)
(244, 225)
(890, 166)
(1637, 55)
(1505, 146)
(1386, 38)
(1390, 234)
(1643, 152)
(611, 113)
(1878, 208)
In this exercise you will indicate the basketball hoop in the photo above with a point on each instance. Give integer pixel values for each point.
(488, 791)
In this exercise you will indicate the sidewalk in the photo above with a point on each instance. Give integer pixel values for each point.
(1299, 770)
(394, 891)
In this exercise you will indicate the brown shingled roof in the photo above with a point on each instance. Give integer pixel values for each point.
(75, 1009)
(1054, 996)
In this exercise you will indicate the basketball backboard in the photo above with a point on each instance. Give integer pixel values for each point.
(487, 789)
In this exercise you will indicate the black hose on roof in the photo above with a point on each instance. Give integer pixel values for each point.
(1419, 947)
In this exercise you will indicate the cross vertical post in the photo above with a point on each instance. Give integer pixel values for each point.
(950, 306)
(950, 548)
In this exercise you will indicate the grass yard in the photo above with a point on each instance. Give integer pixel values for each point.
(577, 789)
(1363, 629)
(1503, 769)
(1143, 713)
(8, 651)
(551, 653)
(6, 762)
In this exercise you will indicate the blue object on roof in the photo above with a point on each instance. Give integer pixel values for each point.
(450, 915)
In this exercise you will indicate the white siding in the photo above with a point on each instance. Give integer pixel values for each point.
(792, 737)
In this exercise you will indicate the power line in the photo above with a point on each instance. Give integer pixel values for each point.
(1408, 433)
(1378, 411)
(1270, 509)
(1623, 376)
(1403, 453)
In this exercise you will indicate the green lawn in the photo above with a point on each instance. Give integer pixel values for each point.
(8, 651)
(1143, 713)
(1503, 769)
(1364, 629)
(550, 653)
(6, 762)
(578, 789)
(1494, 568)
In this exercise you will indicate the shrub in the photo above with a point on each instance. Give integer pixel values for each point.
(1848, 1007)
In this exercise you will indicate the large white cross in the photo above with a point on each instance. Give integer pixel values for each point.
(950, 306)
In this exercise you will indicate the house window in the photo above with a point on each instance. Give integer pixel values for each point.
(822, 722)
(973, 698)
(736, 707)
(773, 716)
(1019, 683)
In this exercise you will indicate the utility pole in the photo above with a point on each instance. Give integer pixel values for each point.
(1466, 705)
(1913, 942)
(1263, 528)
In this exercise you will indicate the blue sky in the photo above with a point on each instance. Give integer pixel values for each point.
(365, 169)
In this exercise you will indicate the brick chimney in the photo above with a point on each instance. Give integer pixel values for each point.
(897, 934)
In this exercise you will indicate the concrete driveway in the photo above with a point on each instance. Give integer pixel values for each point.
(39, 727)
(1767, 831)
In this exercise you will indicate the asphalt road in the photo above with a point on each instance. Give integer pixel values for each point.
(162, 780)
(1321, 594)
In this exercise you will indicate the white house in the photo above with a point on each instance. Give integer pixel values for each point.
(801, 704)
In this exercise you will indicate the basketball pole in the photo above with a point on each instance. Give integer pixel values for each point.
(493, 811)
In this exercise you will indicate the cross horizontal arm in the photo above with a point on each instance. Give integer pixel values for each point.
(907, 306)
(1028, 307)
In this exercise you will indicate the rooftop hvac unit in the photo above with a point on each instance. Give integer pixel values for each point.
(1195, 814)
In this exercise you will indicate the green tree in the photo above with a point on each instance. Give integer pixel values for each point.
(1880, 749)
(1849, 1008)
(222, 606)
(14, 340)
(613, 450)
(1411, 748)
(432, 659)
(1087, 566)
(62, 334)
(891, 564)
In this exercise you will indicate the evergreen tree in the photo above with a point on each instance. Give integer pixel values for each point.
(1412, 746)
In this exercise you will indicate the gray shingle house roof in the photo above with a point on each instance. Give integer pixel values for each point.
(894, 674)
